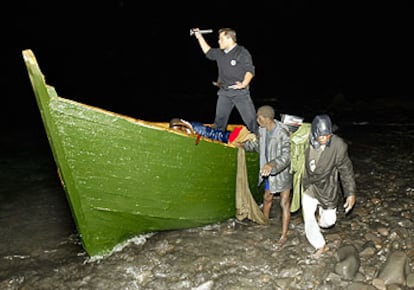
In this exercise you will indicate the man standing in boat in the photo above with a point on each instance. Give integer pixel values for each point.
(235, 72)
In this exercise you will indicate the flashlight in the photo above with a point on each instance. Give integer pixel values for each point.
(202, 31)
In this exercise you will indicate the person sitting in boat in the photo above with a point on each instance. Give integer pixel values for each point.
(197, 128)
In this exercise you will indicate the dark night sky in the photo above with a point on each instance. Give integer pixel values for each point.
(126, 57)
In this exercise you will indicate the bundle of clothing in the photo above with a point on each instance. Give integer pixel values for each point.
(238, 134)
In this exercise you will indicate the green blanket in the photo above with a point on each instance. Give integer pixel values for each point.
(299, 142)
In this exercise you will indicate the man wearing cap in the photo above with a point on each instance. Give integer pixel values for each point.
(326, 160)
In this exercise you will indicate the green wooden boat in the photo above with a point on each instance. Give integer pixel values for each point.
(124, 177)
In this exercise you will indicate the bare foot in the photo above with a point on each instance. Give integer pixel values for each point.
(320, 251)
(281, 242)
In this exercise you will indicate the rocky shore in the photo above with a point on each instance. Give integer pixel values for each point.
(370, 248)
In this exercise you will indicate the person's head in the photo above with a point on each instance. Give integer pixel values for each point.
(265, 116)
(181, 125)
(321, 131)
(227, 38)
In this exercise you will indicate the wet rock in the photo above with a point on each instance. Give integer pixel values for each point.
(383, 231)
(368, 252)
(394, 287)
(377, 241)
(395, 245)
(376, 201)
(333, 279)
(348, 262)
(284, 283)
(406, 223)
(205, 286)
(410, 280)
(395, 269)
(410, 254)
(379, 284)
(359, 277)
(368, 249)
(327, 286)
(361, 286)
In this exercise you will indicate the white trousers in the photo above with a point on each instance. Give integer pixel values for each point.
(327, 218)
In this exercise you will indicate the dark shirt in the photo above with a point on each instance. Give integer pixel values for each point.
(232, 66)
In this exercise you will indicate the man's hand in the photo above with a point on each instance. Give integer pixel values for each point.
(266, 170)
(197, 33)
(349, 204)
(238, 86)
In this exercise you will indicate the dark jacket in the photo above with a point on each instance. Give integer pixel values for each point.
(333, 163)
(278, 153)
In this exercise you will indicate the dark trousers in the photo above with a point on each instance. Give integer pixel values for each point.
(227, 99)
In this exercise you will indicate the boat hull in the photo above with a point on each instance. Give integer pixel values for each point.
(124, 177)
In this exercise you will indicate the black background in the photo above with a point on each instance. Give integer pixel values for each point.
(138, 58)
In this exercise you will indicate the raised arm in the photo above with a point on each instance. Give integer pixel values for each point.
(205, 47)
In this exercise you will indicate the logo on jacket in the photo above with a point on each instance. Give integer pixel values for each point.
(312, 165)
(233, 62)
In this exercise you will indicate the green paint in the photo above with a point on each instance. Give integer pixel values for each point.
(124, 177)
